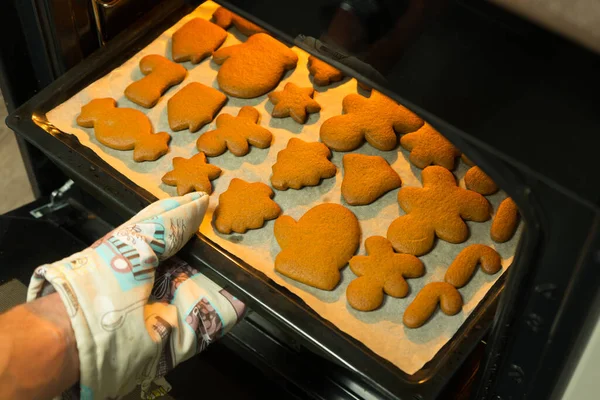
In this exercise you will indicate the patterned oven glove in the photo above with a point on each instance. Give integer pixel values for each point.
(133, 319)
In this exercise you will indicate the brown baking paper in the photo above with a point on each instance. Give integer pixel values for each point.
(381, 330)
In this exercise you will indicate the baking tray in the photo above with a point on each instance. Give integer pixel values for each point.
(261, 294)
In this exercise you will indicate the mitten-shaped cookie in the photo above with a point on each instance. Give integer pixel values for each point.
(161, 73)
(436, 209)
(254, 67)
(315, 248)
(428, 147)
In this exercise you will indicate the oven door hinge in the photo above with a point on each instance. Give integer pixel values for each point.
(57, 201)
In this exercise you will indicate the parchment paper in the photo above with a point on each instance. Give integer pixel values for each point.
(381, 330)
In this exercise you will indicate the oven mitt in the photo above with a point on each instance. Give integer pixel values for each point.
(133, 319)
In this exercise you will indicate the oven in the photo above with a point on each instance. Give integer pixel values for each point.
(514, 88)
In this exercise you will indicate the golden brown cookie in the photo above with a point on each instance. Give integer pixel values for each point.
(161, 74)
(323, 74)
(245, 206)
(426, 301)
(123, 129)
(505, 221)
(381, 271)
(254, 67)
(478, 181)
(302, 164)
(367, 178)
(460, 272)
(191, 174)
(194, 106)
(235, 134)
(294, 101)
(436, 209)
(428, 147)
(196, 40)
(314, 249)
(376, 119)
(224, 18)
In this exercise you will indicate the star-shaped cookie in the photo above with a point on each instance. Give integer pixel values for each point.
(191, 174)
(235, 134)
(367, 178)
(428, 147)
(294, 101)
(302, 164)
(245, 206)
(381, 271)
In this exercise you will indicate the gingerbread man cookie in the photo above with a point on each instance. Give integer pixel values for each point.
(224, 18)
(191, 174)
(161, 74)
(376, 119)
(478, 181)
(294, 101)
(196, 40)
(323, 74)
(505, 221)
(426, 301)
(463, 267)
(381, 271)
(254, 67)
(315, 248)
(302, 164)
(367, 178)
(235, 134)
(428, 147)
(194, 106)
(124, 129)
(436, 209)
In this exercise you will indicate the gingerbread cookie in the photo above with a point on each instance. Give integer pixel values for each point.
(428, 147)
(235, 134)
(161, 74)
(194, 106)
(191, 174)
(123, 129)
(254, 67)
(426, 301)
(478, 181)
(376, 119)
(224, 18)
(367, 178)
(315, 248)
(245, 206)
(505, 221)
(302, 164)
(436, 209)
(294, 101)
(196, 40)
(461, 270)
(323, 74)
(381, 271)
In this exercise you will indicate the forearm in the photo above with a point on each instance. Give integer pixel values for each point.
(38, 352)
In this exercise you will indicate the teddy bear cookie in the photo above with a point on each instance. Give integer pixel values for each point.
(376, 119)
(428, 147)
(460, 272)
(314, 249)
(302, 164)
(123, 129)
(426, 302)
(196, 40)
(191, 174)
(294, 101)
(436, 209)
(194, 106)
(235, 134)
(254, 67)
(381, 271)
(160, 74)
(478, 181)
(505, 221)
(245, 206)
(367, 178)
(224, 18)
(323, 74)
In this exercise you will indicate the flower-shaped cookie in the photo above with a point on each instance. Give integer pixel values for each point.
(294, 101)
(191, 174)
